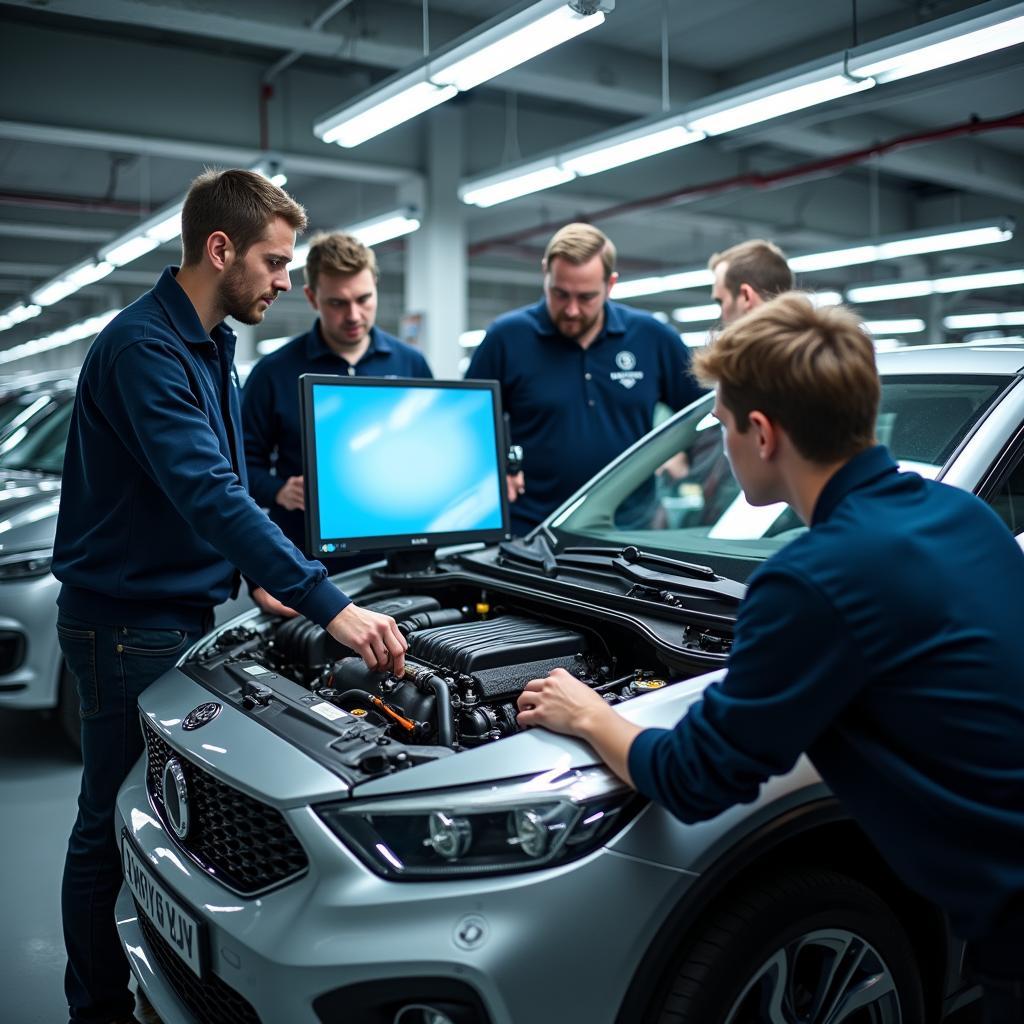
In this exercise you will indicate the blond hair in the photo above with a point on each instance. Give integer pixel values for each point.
(758, 263)
(240, 203)
(811, 371)
(580, 243)
(337, 253)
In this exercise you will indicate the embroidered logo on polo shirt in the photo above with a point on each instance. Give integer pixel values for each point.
(628, 375)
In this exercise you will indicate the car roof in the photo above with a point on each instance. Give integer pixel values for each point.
(993, 358)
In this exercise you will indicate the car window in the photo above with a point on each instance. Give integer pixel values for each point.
(676, 492)
(1008, 501)
(42, 447)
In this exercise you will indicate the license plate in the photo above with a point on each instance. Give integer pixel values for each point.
(180, 930)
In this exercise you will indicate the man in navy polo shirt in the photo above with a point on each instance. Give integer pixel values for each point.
(341, 285)
(155, 520)
(884, 642)
(580, 375)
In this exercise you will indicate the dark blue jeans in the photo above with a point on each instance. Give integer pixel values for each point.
(112, 666)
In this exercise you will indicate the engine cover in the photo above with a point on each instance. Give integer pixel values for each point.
(501, 655)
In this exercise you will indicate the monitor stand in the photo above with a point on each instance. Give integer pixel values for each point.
(407, 563)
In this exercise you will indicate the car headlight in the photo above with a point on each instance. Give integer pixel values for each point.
(25, 565)
(505, 828)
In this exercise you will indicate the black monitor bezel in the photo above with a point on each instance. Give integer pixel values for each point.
(392, 542)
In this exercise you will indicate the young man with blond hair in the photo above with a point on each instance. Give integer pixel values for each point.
(884, 642)
(341, 286)
(155, 522)
(580, 375)
(747, 275)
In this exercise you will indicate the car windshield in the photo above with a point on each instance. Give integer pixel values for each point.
(41, 448)
(675, 493)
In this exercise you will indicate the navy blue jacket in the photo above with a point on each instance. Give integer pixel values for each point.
(573, 409)
(270, 410)
(885, 642)
(154, 513)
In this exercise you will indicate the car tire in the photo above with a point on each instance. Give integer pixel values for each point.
(68, 708)
(800, 948)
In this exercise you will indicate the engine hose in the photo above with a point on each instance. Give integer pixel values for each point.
(443, 704)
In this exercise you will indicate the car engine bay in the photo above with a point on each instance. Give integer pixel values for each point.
(469, 658)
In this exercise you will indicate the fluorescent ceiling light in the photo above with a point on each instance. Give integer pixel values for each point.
(821, 299)
(625, 148)
(910, 325)
(502, 44)
(695, 314)
(695, 339)
(76, 332)
(664, 283)
(380, 113)
(888, 344)
(979, 233)
(951, 41)
(388, 226)
(470, 339)
(940, 285)
(773, 101)
(124, 252)
(500, 188)
(60, 287)
(965, 321)
(511, 46)
(168, 225)
(18, 315)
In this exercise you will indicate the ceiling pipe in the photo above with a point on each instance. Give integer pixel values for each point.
(757, 180)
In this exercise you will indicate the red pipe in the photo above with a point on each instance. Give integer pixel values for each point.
(755, 180)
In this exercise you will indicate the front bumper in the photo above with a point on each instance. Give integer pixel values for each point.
(545, 947)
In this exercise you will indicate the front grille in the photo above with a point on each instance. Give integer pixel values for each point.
(212, 1001)
(240, 841)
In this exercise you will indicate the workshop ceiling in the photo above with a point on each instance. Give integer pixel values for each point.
(108, 109)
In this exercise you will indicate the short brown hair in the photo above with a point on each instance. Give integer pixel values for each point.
(337, 253)
(580, 243)
(239, 203)
(758, 263)
(810, 370)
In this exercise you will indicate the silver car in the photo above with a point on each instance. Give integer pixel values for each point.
(308, 841)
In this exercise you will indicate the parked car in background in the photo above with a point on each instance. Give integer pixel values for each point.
(33, 675)
(307, 841)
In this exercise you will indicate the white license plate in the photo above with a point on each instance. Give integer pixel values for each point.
(179, 929)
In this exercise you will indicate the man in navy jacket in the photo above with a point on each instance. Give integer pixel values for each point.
(155, 522)
(885, 642)
(341, 285)
(580, 375)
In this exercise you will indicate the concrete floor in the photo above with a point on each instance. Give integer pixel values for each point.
(39, 778)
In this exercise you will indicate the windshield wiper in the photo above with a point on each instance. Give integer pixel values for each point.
(536, 551)
(634, 556)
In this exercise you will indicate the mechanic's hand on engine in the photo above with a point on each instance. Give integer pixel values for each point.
(270, 604)
(293, 495)
(374, 637)
(561, 703)
(515, 484)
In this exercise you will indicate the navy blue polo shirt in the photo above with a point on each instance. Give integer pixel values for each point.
(573, 409)
(886, 643)
(154, 514)
(270, 410)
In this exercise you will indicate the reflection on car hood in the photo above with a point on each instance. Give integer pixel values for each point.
(28, 510)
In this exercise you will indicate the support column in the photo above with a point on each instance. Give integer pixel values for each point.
(435, 271)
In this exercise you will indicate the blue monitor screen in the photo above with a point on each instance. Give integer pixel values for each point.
(402, 462)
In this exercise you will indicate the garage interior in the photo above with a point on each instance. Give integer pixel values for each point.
(109, 109)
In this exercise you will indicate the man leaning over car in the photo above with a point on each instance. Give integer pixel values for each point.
(885, 642)
(155, 518)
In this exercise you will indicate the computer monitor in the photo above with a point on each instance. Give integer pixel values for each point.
(395, 465)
